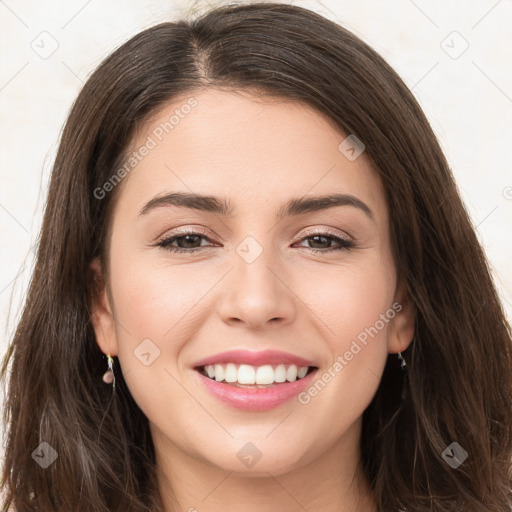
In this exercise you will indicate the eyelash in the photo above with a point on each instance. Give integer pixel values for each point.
(345, 245)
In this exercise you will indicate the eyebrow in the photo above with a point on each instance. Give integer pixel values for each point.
(221, 206)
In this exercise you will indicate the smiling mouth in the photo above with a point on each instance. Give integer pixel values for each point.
(248, 376)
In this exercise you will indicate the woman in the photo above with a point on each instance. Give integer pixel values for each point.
(334, 340)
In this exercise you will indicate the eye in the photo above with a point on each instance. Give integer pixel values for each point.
(187, 242)
(326, 238)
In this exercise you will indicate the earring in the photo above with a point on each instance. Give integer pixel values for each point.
(405, 377)
(108, 376)
(403, 364)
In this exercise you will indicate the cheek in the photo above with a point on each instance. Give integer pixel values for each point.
(153, 299)
(353, 298)
(356, 314)
(355, 305)
(156, 312)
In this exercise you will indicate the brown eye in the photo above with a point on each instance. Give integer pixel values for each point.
(321, 242)
(186, 242)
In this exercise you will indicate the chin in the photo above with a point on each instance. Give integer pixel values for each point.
(251, 461)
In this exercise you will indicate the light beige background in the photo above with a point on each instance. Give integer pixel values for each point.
(49, 48)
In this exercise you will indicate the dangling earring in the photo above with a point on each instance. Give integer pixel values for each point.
(405, 377)
(108, 376)
(403, 364)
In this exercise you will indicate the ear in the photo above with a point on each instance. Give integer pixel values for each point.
(101, 312)
(402, 325)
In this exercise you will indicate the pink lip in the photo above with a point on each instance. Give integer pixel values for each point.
(259, 358)
(256, 399)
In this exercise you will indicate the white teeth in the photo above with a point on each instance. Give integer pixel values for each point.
(291, 374)
(302, 372)
(265, 375)
(231, 373)
(246, 374)
(219, 372)
(280, 374)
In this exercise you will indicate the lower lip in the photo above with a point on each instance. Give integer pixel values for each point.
(256, 399)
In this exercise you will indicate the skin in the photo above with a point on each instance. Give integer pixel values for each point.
(258, 154)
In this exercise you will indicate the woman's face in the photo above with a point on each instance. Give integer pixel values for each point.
(249, 278)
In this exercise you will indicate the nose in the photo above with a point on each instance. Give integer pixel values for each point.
(257, 293)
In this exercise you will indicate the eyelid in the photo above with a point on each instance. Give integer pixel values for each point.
(191, 229)
(344, 244)
(325, 230)
(187, 230)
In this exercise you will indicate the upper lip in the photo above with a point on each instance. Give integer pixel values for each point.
(253, 358)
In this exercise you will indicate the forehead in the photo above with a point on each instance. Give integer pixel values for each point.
(257, 152)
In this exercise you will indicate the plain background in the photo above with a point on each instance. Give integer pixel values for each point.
(455, 56)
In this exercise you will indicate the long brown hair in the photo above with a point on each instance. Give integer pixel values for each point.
(459, 386)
